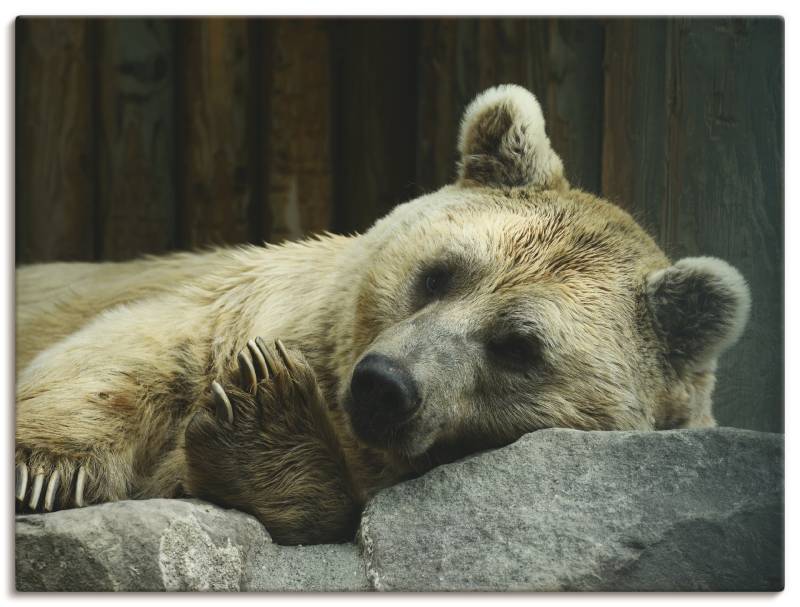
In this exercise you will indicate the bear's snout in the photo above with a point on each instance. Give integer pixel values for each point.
(384, 395)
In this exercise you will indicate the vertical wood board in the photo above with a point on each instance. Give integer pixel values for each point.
(376, 94)
(298, 141)
(137, 141)
(725, 194)
(54, 131)
(216, 91)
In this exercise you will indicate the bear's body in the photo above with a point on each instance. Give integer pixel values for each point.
(498, 305)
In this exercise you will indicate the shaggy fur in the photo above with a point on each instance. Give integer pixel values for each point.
(514, 303)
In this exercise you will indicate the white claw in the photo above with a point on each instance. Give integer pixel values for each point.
(52, 488)
(36, 490)
(267, 356)
(223, 404)
(247, 372)
(260, 362)
(22, 481)
(80, 485)
(285, 356)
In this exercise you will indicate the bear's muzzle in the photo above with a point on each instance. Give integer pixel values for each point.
(384, 396)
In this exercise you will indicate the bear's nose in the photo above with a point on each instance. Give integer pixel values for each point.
(384, 395)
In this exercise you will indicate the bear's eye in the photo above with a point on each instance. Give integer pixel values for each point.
(514, 350)
(436, 281)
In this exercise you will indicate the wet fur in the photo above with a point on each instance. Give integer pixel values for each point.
(115, 360)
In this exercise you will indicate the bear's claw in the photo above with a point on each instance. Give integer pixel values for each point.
(50, 493)
(40, 494)
(260, 362)
(257, 363)
(21, 482)
(222, 403)
(271, 361)
(80, 485)
(246, 372)
(36, 491)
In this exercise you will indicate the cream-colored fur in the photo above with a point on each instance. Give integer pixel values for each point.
(115, 360)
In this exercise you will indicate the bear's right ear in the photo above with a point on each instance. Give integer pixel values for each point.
(502, 142)
(700, 307)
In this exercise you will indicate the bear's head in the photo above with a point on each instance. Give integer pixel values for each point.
(508, 302)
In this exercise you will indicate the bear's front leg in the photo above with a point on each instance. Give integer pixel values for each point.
(98, 411)
(265, 445)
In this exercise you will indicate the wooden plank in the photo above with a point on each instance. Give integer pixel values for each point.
(448, 80)
(560, 61)
(376, 98)
(634, 135)
(136, 147)
(725, 189)
(574, 104)
(502, 58)
(693, 147)
(297, 150)
(218, 175)
(54, 154)
(458, 58)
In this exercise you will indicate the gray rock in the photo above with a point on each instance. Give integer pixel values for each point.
(321, 568)
(557, 510)
(170, 545)
(571, 510)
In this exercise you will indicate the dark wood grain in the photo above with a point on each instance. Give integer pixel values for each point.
(459, 58)
(693, 148)
(141, 135)
(574, 99)
(297, 155)
(634, 136)
(443, 93)
(376, 93)
(54, 133)
(216, 95)
(560, 61)
(725, 192)
(136, 146)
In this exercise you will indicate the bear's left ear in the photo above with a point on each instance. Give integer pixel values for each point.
(700, 306)
(502, 142)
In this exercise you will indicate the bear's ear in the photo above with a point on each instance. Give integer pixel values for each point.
(700, 307)
(502, 142)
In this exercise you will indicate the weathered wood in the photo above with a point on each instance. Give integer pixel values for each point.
(54, 154)
(136, 147)
(217, 187)
(501, 45)
(127, 142)
(574, 101)
(725, 188)
(442, 94)
(693, 147)
(297, 155)
(634, 136)
(458, 58)
(376, 94)
(560, 61)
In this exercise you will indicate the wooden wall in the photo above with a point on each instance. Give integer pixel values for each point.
(147, 135)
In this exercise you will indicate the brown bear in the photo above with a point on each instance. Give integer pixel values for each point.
(294, 381)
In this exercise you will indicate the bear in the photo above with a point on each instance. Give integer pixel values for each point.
(294, 381)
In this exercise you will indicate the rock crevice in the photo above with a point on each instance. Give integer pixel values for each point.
(557, 510)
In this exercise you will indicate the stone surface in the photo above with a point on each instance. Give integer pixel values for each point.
(171, 545)
(571, 510)
(321, 568)
(557, 510)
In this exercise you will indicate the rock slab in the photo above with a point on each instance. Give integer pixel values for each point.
(588, 511)
(172, 545)
(557, 510)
